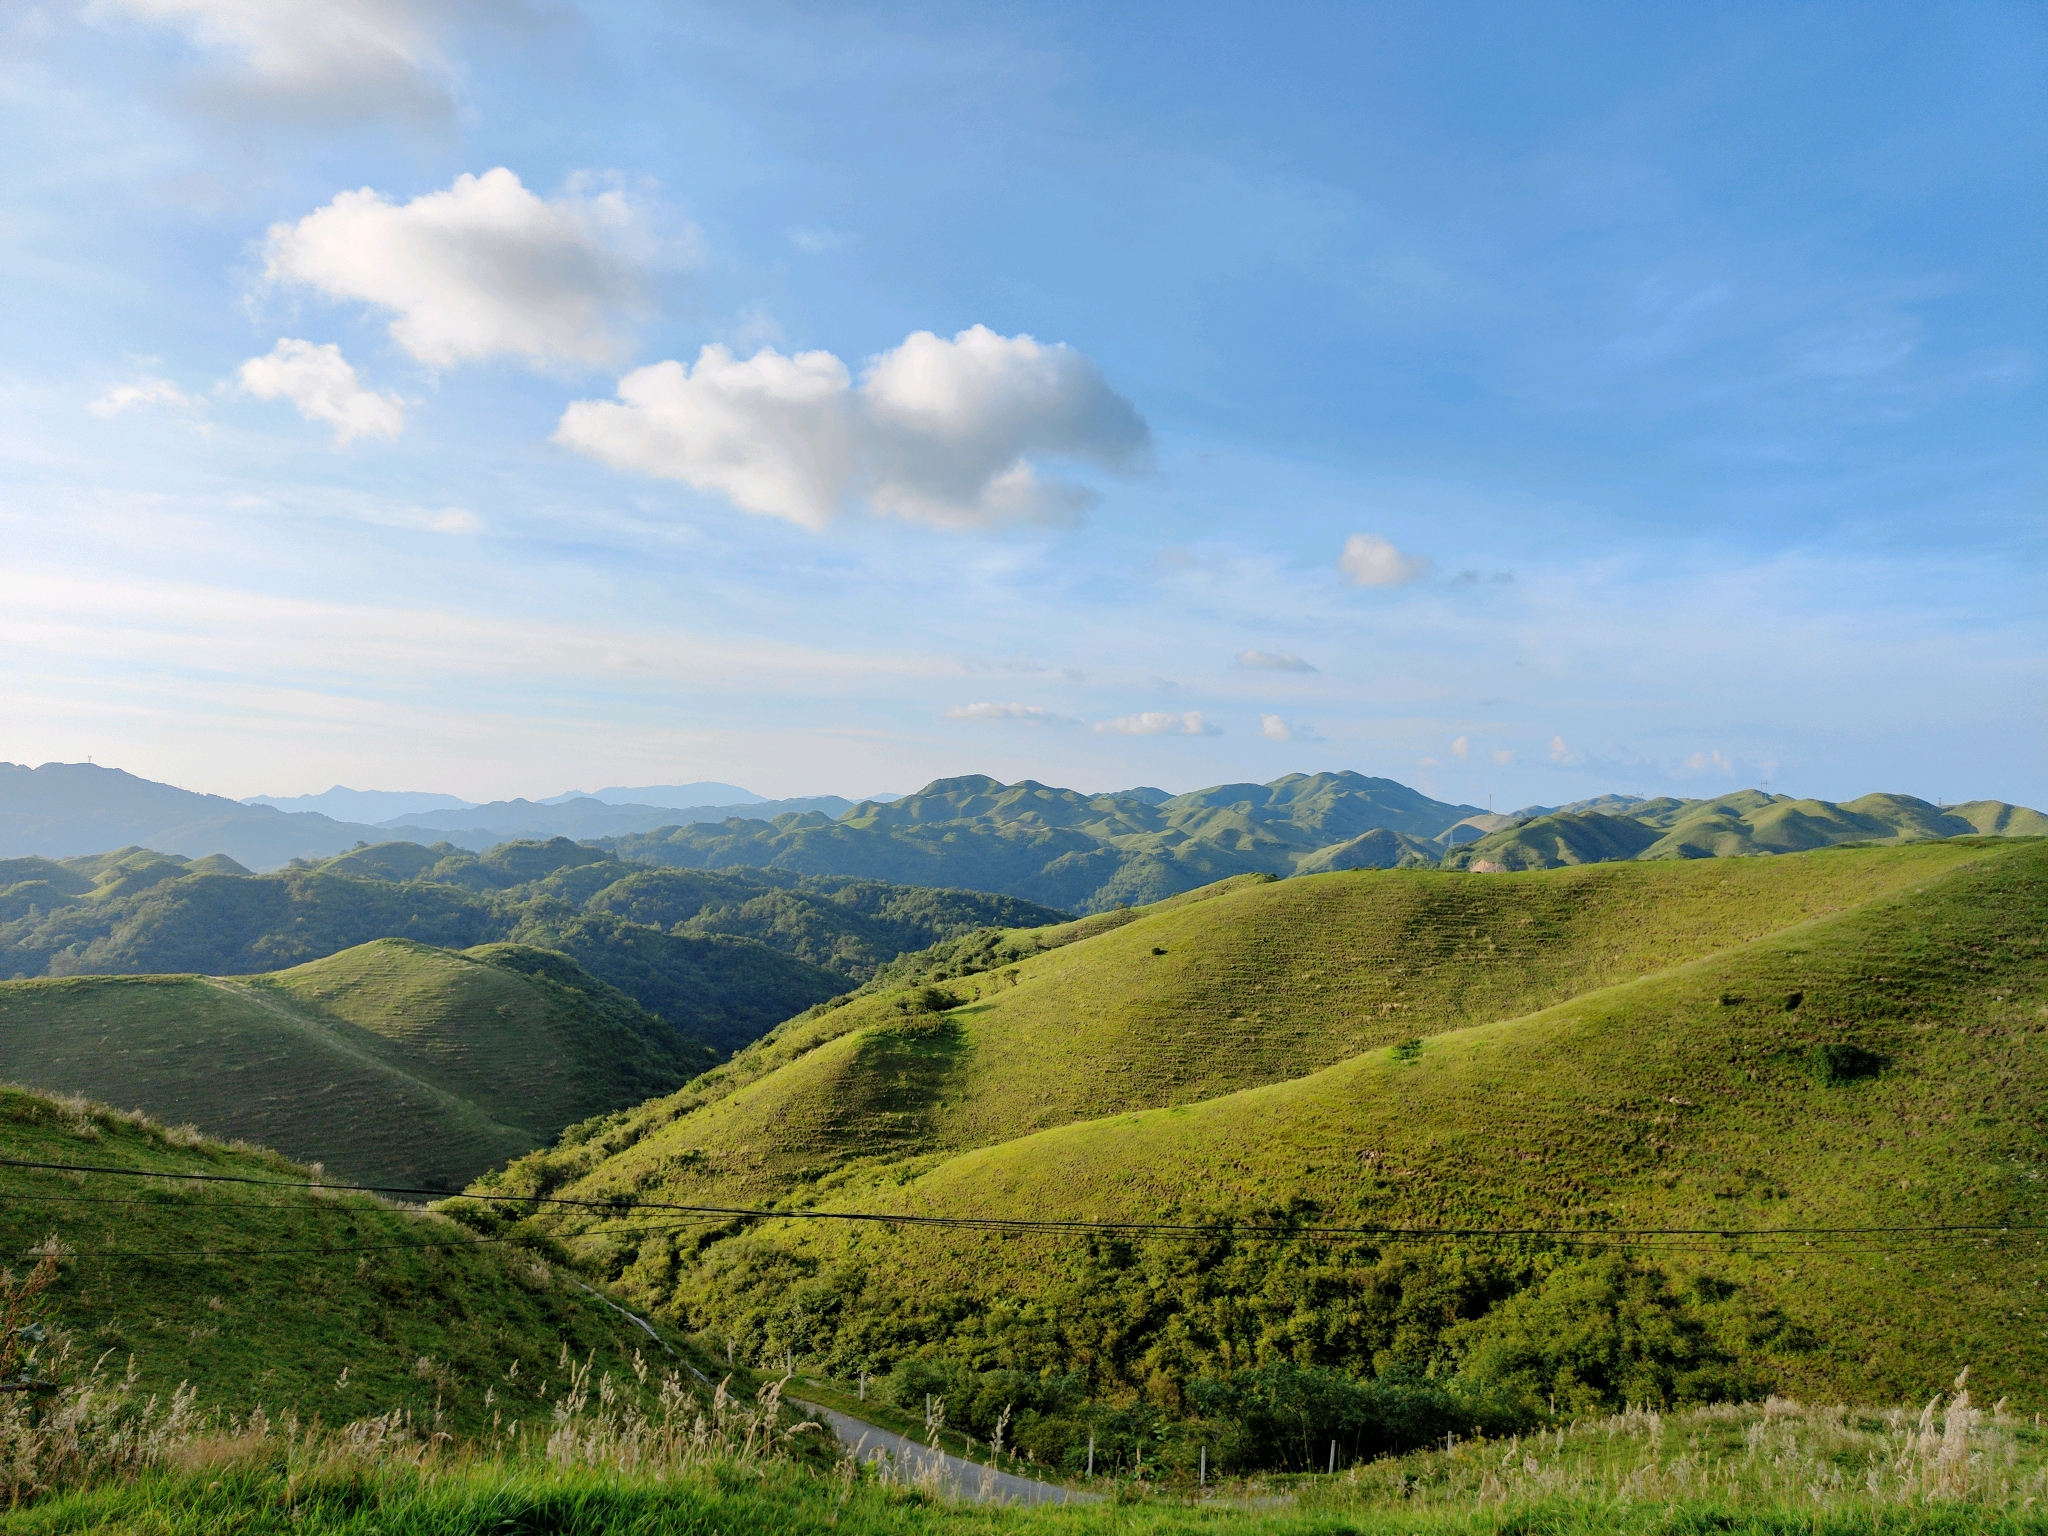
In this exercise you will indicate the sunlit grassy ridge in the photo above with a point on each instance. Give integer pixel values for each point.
(1694, 1098)
(1255, 983)
(327, 1305)
(391, 1063)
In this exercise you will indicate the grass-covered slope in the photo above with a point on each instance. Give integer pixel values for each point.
(333, 1306)
(392, 1062)
(1853, 1038)
(1254, 982)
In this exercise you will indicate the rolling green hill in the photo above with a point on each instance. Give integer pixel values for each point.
(389, 1063)
(722, 956)
(335, 1307)
(1851, 1037)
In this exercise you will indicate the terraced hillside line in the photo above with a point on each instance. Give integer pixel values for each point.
(1886, 1067)
(1264, 982)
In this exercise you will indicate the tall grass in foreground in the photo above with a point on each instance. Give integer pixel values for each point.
(673, 1458)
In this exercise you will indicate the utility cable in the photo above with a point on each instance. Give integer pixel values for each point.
(1070, 1226)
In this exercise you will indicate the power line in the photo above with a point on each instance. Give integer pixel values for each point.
(1073, 1226)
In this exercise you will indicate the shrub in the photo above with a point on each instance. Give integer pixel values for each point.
(1597, 1335)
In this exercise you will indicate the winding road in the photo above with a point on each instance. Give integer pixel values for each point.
(961, 1478)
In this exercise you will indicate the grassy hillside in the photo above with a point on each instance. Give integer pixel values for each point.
(722, 956)
(391, 1062)
(1846, 1038)
(333, 1306)
(1254, 982)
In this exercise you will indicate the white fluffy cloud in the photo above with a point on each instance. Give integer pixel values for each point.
(941, 432)
(1272, 661)
(145, 392)
(1159, 723)
(1562, 754)
(1462, 748)
(329, 60)
(484, 269)
(322, 384)
(1371, 561)
(1032, 712)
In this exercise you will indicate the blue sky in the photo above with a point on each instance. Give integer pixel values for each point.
(1522, 402)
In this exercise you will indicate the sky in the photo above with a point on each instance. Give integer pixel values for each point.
(1521, 402)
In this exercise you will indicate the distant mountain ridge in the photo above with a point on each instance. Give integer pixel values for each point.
(371, 805)
(1746, 823)
(64, 809)
(1056, 847)
(479, 827)
(1084, 853)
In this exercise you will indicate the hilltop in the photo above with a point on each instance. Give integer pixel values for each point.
(392, 1062)
(721, 956)
(1850, 1037)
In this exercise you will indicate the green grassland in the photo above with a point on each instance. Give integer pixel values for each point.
(722, 956)
(1854, 1037)
(392, 1062)
(328, 1305)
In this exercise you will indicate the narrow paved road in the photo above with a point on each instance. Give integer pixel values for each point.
(962, 1478)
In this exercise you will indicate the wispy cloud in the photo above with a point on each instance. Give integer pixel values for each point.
(323, 60)
(1563, 755)
(1030, 713)
(1272, 661)
(146, 392)
(1160, 723)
